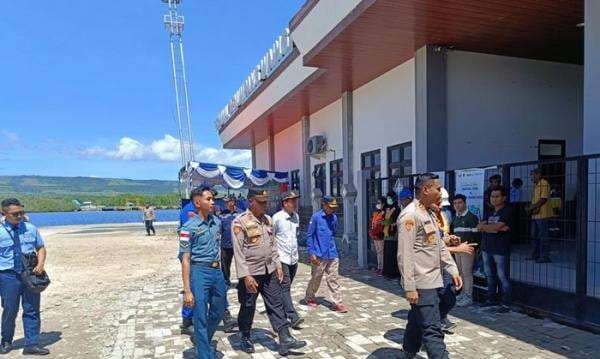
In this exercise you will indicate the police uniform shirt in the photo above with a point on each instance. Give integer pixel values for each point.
(29, 236)
(201, 238)
(286, 226)
(254, 245)
(422, 252)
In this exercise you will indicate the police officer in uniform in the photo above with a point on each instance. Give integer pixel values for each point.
(18, 237)
(259, 271)
(422, 255)
(203, 282)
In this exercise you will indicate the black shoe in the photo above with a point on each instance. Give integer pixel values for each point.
(228, 322)
(35, 350)
(296, 322)
(5, 348)
(287, 342)
(543, 260)
(447, 326)
(187, 327)
(247, 344)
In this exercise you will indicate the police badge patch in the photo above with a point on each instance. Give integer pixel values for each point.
(409, 224)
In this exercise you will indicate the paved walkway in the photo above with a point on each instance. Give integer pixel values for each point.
(373, 328)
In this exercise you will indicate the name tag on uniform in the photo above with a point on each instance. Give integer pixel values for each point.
(430, 232)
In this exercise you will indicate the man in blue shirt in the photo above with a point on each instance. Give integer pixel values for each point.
(18, 237)
(324, 258)
(203, 283)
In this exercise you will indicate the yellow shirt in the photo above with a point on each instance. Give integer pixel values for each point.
(542, 190)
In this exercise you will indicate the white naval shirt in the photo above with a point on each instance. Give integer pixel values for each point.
(286, 236)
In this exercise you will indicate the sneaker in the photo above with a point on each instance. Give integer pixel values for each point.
(5, 348)
(340, 308)
(295, 324)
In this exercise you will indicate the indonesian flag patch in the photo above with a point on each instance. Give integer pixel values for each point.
(184, 238)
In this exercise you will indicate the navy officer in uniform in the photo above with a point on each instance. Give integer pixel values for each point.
(259, 271)
(18, 237)
(204, 286)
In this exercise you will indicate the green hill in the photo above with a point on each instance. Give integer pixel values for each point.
(50, 194)
(83, 185)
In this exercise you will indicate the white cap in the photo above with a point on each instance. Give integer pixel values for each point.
(445, 198)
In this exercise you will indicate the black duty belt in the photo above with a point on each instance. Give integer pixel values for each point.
(213, 264)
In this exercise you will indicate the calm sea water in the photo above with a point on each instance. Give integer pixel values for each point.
(97, 217)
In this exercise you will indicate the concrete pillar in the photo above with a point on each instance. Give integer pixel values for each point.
(431, 127)
(349, 189)
(271, 142)
(253, 148)
(591, 87)
(305, 183)
(362, 218)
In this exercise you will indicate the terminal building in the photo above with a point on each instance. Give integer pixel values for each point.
(356, 96)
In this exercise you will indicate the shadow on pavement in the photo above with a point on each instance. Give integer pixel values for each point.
(46, 339)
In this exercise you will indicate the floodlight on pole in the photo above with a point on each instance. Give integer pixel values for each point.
(174, 24)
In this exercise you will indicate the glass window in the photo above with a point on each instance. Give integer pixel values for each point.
(295, 179)
(399, 161)
(335, 178)
(319, 176)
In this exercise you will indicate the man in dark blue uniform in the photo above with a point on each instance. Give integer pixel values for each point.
(18, 237)
(203, 283)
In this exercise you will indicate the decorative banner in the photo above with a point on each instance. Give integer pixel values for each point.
(234, 177)
(471, 182)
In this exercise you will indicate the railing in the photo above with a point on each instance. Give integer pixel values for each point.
(569, 285)
(282, 48)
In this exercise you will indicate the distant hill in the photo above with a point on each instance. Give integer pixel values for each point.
(42, 185)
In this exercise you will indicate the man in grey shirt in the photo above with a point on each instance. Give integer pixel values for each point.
(422, 255)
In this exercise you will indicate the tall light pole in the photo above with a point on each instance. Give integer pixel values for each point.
(174, 24)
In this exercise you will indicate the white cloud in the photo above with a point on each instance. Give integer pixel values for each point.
(167, 149)
(9, 135)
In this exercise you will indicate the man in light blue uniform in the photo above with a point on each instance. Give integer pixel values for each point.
(187, 314)
(203, 282)
(18, 237)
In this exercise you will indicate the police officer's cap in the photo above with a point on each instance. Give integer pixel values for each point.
(259, 195)
(11, 202)
(290, 195)
(424, 178)
(330, 201)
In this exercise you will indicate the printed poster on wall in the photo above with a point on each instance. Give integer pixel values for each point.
(471, 183)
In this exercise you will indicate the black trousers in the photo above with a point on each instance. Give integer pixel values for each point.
(149, 227)
(424, 325)
(226, 259)
(270, 290)
(390, 259)
(289, 272)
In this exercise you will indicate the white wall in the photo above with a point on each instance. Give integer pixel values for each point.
(384, 113)
(320, 21)
(327, 122)
(498, 108)
(262, 155)
(288, 148)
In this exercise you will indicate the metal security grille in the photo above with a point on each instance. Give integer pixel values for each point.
(568, 285)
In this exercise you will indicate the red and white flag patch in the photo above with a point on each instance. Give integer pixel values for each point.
(184, 236)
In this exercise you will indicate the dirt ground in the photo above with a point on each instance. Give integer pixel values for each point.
(92, 269)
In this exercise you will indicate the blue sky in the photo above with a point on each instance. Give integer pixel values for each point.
(86, 88)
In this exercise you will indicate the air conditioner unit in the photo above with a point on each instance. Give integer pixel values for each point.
(316, 145)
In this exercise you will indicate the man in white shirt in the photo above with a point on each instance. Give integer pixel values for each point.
(285, 225)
